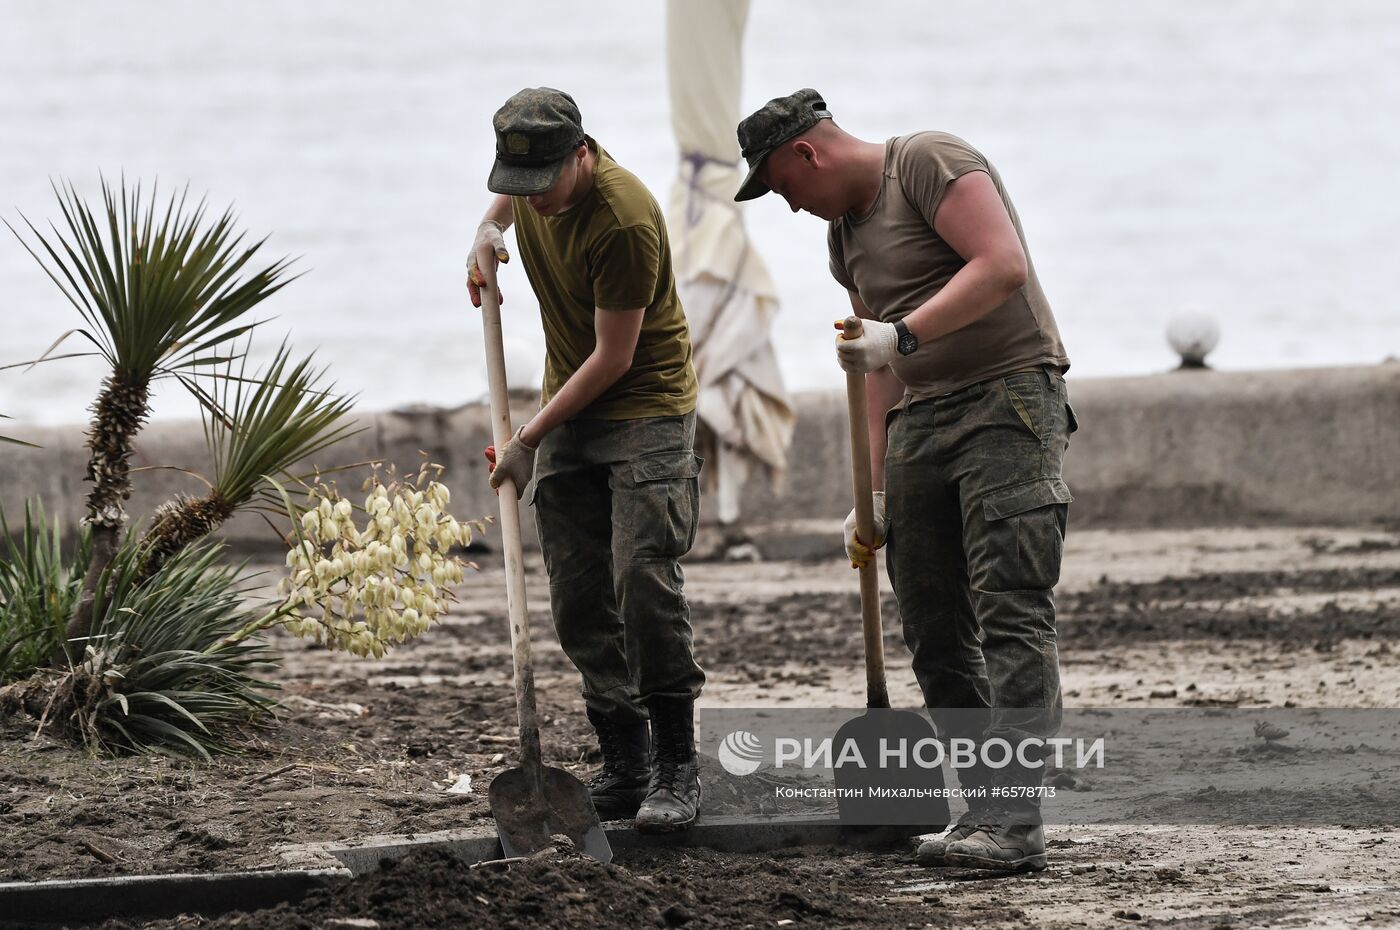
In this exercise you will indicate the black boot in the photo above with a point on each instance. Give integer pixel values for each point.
(618, 789)
(673, 797)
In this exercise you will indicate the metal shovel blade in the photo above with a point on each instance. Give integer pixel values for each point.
(529, 815)
(883, 791)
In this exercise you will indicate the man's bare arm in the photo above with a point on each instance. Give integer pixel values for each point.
(972, 219)
(615, 333)
(501, 210)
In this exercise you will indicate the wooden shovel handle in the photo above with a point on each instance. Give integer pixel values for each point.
(876, 694)
(510, 539)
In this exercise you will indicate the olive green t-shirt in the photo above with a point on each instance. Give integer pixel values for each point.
(610, 252)
(894, 260)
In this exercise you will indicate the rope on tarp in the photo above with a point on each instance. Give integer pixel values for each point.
(696, 196)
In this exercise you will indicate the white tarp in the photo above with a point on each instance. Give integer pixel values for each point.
(728, 296)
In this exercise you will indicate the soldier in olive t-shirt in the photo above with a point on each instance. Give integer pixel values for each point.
(611, 450)
(969, 422)
(610, 252)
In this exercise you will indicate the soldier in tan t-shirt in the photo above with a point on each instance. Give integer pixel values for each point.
(969, 421)
(611, 450)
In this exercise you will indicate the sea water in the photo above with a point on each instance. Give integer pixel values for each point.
(1240, 156)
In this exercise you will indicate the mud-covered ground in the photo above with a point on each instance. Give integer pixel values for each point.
(1248, 618)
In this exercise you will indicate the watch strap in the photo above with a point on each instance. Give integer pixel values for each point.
(905, 341)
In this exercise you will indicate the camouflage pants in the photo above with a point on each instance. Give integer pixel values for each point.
(616, 506)
(977, 508)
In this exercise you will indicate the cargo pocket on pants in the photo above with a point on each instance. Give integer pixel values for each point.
(1025, 524)
(668, 494)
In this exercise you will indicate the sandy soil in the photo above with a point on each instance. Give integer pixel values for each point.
(1241, 617)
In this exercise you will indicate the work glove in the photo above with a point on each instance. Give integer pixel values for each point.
(516, 462)
(488, 249)
(876, 347)
(858, 552)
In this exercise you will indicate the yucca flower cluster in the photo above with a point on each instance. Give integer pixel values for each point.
(362, 590)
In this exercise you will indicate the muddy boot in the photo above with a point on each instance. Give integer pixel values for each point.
(673, 798)
(971, 779)
(931, 852)
(618, 789)
(1001, 846)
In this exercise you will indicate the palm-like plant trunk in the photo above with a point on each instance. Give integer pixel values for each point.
(177, 524)
(256, 425)
(119, 413)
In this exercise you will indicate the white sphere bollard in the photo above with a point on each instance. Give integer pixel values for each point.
(1193, 334)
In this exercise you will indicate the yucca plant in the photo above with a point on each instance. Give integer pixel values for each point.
(162, 670)
(160, 290)
(39, 587)
(256, 427)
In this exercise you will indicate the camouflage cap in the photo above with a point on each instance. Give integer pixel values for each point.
(770, 126)
(535, 131)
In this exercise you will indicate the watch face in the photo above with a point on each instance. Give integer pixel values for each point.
(907, 344)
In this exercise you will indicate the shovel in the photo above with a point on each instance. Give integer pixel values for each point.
(532, 803)
(879, 730)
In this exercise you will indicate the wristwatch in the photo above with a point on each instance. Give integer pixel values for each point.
(908, 343)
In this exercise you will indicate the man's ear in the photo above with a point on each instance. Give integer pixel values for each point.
(804, 150)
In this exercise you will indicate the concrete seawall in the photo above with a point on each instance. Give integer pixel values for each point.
(1184, 448)
(1316, 446)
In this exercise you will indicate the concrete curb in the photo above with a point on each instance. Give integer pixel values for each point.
(81, 901)
(88, 900)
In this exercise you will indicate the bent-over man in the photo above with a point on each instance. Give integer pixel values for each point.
(969, 420)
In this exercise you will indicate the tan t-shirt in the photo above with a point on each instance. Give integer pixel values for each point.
(610, 252)
(894, 260)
